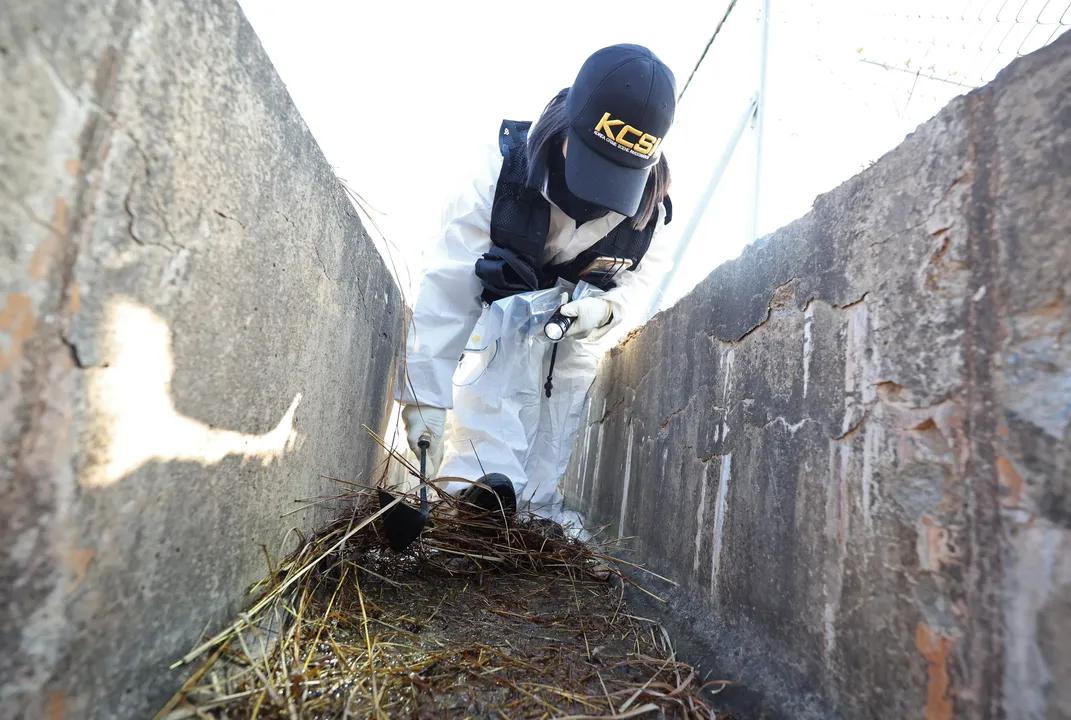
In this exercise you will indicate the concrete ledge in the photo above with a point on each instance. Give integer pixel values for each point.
(851, 445)
(193, 327)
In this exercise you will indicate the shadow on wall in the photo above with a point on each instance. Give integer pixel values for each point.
(134, 418)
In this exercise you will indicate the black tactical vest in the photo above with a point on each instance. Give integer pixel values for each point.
(520, 223)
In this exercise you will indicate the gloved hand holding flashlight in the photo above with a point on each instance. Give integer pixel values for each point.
(579, 318)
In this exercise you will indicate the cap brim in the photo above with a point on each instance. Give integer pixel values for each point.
(592, 177)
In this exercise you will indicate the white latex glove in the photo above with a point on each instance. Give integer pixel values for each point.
(591, 314)
(419, 419)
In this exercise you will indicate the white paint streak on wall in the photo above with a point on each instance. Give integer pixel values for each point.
(808, 320)
(727, 360)
(598, 446)
(719, 523)
(837, 527)
(598, 458)
(699, 515)
(792, 429)
(584, 460)
(1038, 572)
(871, 448)
(856, 371)
(830, 629)
(624, 489)
(851, 365)
(843, 513)
(871, 353)
(831, 494)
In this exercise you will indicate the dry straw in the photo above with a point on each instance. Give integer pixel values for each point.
(481, 619)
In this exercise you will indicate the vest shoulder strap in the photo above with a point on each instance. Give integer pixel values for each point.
(520, 216)
(511, 134)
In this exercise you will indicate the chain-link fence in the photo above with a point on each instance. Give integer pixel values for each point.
(929, 52)
(846, 80)
(965, 48)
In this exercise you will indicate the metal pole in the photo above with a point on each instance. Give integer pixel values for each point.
(760, 116)
(701, 205)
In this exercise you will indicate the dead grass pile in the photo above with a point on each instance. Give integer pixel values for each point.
(479, 618)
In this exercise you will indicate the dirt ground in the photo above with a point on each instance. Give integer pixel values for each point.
(477, 620)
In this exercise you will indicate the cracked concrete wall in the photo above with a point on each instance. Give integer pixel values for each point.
(193, 327)
(850, 446)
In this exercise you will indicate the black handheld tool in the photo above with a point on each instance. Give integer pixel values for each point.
(402, 522)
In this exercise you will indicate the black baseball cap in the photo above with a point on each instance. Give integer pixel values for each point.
(619, 110)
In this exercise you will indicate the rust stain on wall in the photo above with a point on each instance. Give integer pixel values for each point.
(18, 322)
(1011, 482)
(50, 248)
(78, 561)
(934, 552)
(42, 258)
(935, 649)
(57, 706)
(60, 216)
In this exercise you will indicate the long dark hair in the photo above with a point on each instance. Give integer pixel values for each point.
(551, 129)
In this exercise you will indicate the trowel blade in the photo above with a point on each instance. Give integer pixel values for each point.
(402, 522)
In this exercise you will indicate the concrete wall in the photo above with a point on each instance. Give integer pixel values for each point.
(851, 446)
(193, 327)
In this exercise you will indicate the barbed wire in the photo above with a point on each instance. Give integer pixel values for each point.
(859, 76)
(965, 48)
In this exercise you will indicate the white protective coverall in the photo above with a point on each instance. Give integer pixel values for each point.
(500, 419)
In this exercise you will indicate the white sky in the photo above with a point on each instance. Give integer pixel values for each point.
(400, 95)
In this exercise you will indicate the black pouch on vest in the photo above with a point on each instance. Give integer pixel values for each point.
(503, 272)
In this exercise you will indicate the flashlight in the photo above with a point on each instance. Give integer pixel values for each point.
(557, 326)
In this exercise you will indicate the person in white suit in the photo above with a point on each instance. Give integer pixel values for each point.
(562, 223)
